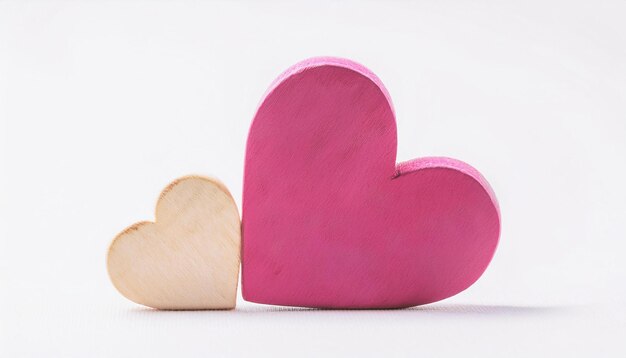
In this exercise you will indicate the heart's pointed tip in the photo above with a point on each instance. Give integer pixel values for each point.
(415, 165)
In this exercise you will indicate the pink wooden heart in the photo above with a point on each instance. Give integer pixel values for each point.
(330, 220)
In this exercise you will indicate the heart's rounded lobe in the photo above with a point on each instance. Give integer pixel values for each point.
(329, 220)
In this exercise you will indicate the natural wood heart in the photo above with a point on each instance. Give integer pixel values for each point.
(189, 257)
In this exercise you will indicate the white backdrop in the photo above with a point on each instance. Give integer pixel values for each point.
(103, 103)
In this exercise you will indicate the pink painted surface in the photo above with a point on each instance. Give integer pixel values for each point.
(330, 220)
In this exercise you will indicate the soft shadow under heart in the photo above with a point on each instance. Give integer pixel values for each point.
(430, 310)
(452, 309)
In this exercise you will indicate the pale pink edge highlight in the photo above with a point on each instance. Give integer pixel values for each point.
(444, 162)
(327, 61)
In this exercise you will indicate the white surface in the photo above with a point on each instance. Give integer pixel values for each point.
(103, 103)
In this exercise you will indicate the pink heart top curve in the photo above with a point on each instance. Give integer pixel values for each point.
(329, 220)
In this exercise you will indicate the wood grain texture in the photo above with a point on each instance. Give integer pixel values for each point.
(329, 219)
(188, 259)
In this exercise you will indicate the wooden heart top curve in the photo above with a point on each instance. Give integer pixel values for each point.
(189, 257)
(329, 219)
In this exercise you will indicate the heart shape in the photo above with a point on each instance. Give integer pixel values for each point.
(189, 257)
(329, 219)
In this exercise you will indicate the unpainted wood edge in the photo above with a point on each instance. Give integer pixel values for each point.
(205, 178)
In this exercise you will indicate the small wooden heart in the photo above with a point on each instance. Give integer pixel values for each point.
(188, 259)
